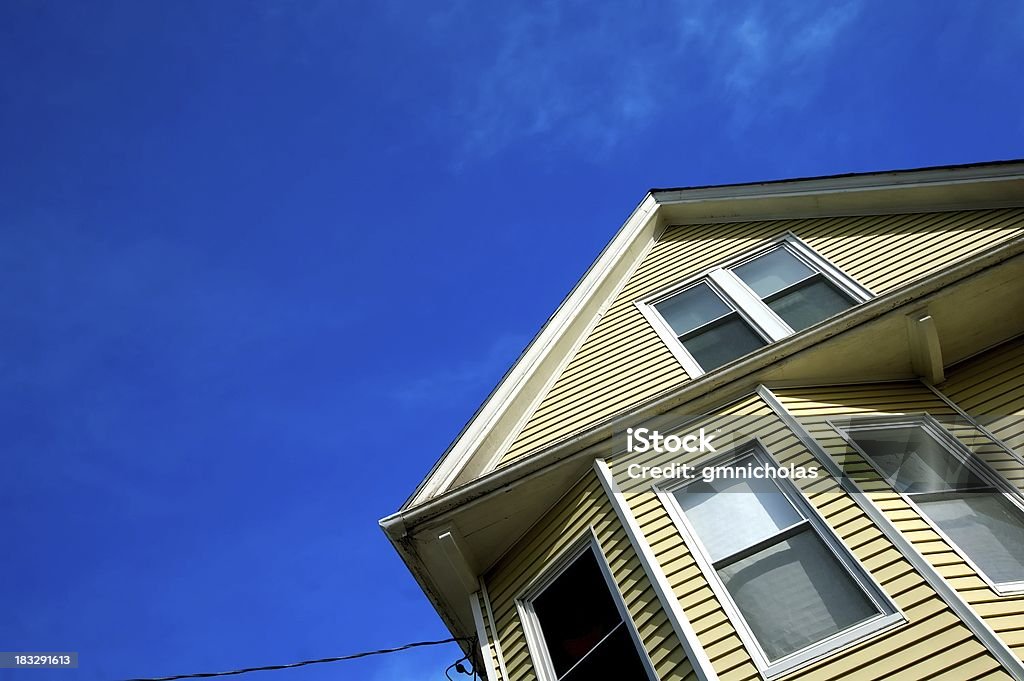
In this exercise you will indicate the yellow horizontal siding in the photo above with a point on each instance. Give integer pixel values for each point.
(585, 506)
(624, 363)
(933, 641)
(813, 406)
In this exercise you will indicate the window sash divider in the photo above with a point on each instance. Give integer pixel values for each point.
(758, 546)
(942, 495)
(775, 295)
(589, 652)
(746, 301)
(707, 326)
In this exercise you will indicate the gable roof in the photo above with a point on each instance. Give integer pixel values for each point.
(452, 530)
(498, 420)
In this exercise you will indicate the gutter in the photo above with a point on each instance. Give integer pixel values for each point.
(883, 179)
(419, 572)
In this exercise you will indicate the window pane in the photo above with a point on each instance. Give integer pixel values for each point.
(615, 658)
(810, 303)
(914, 461)
(754, 510)
(695, 306)
(795, 593)
(772, 272)
(988, 528)
(575, 612)
(722, 343)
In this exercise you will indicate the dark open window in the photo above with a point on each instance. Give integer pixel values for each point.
(584, 632)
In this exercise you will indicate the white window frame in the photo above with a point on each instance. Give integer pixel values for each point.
(955, 448)
(535, 641)
(742, 299)
(889, 615)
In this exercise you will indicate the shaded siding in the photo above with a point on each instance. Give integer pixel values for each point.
(813, 406)
(990, 388)
(623, 362)
(584, 506)
(933, 643)
(492, 645)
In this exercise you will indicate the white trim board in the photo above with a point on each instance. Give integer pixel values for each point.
(494, 631)
(695, 652)
(482, 642)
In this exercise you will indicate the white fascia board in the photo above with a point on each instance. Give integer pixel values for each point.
(494, 421)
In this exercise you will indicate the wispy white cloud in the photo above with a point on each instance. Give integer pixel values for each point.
(776, 56)
(551, 75)
(593, 76)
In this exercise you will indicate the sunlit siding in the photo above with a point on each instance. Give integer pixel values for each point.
(623, 362)
(990, 388)
(933, 643)
(815, 406)
(585, 506)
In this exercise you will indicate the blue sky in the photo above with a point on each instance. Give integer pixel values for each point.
(261, 260)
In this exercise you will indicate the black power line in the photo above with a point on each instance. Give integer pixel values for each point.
(292, 665)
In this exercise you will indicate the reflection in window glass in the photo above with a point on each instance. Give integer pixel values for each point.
(691, 308)
(722, 342)
(732, 514)
(913, 461)
(779, 566)
(988, 528)
(809, 303)
(772, 272)
(977, 516)
(795, 593)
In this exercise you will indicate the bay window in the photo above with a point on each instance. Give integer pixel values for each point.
(980, 514)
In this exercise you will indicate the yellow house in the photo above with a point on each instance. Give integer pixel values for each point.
(775, 431)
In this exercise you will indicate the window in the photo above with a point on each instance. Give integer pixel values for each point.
(576, 629)
(792, 589)
(737, 308)
(978, 513)
(792, 289)
(711, 330)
